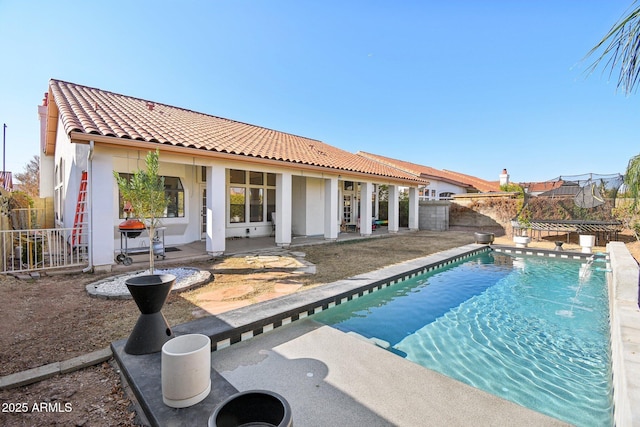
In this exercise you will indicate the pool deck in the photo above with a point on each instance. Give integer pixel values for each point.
(328, 377)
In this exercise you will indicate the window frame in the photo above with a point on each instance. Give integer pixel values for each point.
(178, 192)
(253, 213)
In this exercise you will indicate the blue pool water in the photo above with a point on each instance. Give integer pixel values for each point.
(531, 330)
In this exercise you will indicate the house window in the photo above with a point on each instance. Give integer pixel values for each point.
(247, 191)
(256, 204)
(173, 191)
(271, 201)
(175, 195)
(433, 194)
(236, 176)
(237, 204)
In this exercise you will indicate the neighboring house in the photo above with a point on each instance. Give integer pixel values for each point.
(541, 188)
(224, 178)
(442, 184)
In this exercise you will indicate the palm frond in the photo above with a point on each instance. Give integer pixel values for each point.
(621, 50)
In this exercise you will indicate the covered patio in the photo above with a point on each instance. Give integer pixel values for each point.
(195, 251)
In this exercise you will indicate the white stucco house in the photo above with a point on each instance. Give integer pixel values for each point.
(224, 178)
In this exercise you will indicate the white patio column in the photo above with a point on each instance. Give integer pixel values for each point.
(216, 209)
(376, 203)
(331, 227)
(366, 211)
(103, 210)
(283, 209)
(414, 209)
(394, 209)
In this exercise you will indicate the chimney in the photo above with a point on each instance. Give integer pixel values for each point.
(42, 115)
(504, 178)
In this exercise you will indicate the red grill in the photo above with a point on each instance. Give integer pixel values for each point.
(131, 228)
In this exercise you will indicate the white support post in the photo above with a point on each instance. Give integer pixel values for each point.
(376, 204)
(366, 210)
(216, 203)
(394, 209)
(331, 226)
(103, 210)
(414, 209)
(283, 209)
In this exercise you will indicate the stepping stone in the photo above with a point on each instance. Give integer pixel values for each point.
(217, 307)
(225, 294)
(286, 288)
(267, 296)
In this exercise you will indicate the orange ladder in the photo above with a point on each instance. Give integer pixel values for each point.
(79, 222)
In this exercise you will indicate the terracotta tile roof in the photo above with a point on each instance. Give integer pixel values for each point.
(477, 183)
(539, 187)
(94, 111)
(432, 173)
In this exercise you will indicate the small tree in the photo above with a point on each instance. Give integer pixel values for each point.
(145, 192)
(30, 178)
(632, 180)
(627, 209)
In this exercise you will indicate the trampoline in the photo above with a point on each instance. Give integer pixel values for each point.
(581, 204)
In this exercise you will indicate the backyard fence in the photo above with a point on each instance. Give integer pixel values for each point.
(40, 249)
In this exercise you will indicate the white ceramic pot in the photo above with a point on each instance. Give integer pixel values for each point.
(587, 242)
(186, 370)
(521, 241)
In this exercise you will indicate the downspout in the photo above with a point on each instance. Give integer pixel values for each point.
(89, 268)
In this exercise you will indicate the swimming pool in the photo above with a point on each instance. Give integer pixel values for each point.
(532, 330)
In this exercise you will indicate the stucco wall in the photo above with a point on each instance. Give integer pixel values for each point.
(298, 205)
(307, 206)
(444, 187)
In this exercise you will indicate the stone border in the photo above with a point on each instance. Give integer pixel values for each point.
(570, 255)
(40, 373)
(92, 288)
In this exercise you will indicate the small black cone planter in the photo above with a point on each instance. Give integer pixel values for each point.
(151, 330)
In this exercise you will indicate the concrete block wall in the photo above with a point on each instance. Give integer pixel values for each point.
(433, 215)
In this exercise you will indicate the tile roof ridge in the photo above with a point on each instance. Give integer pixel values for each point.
(473, 179)
(457, 178)
(187, 110)
(465, 175)
(376, 158)
(388, 161)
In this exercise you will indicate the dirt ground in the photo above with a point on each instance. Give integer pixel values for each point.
(52, 319)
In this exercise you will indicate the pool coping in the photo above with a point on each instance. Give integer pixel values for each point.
(624, 323)
(143, 372)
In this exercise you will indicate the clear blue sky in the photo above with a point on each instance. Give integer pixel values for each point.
(471, 86)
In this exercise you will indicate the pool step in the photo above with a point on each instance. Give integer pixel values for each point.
(373, 340)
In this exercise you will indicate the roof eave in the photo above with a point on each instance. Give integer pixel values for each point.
(84, 138)
(49, 145)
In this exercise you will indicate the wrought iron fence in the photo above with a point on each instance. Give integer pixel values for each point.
(40, 249)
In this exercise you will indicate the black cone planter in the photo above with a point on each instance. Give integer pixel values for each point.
(151, 330)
